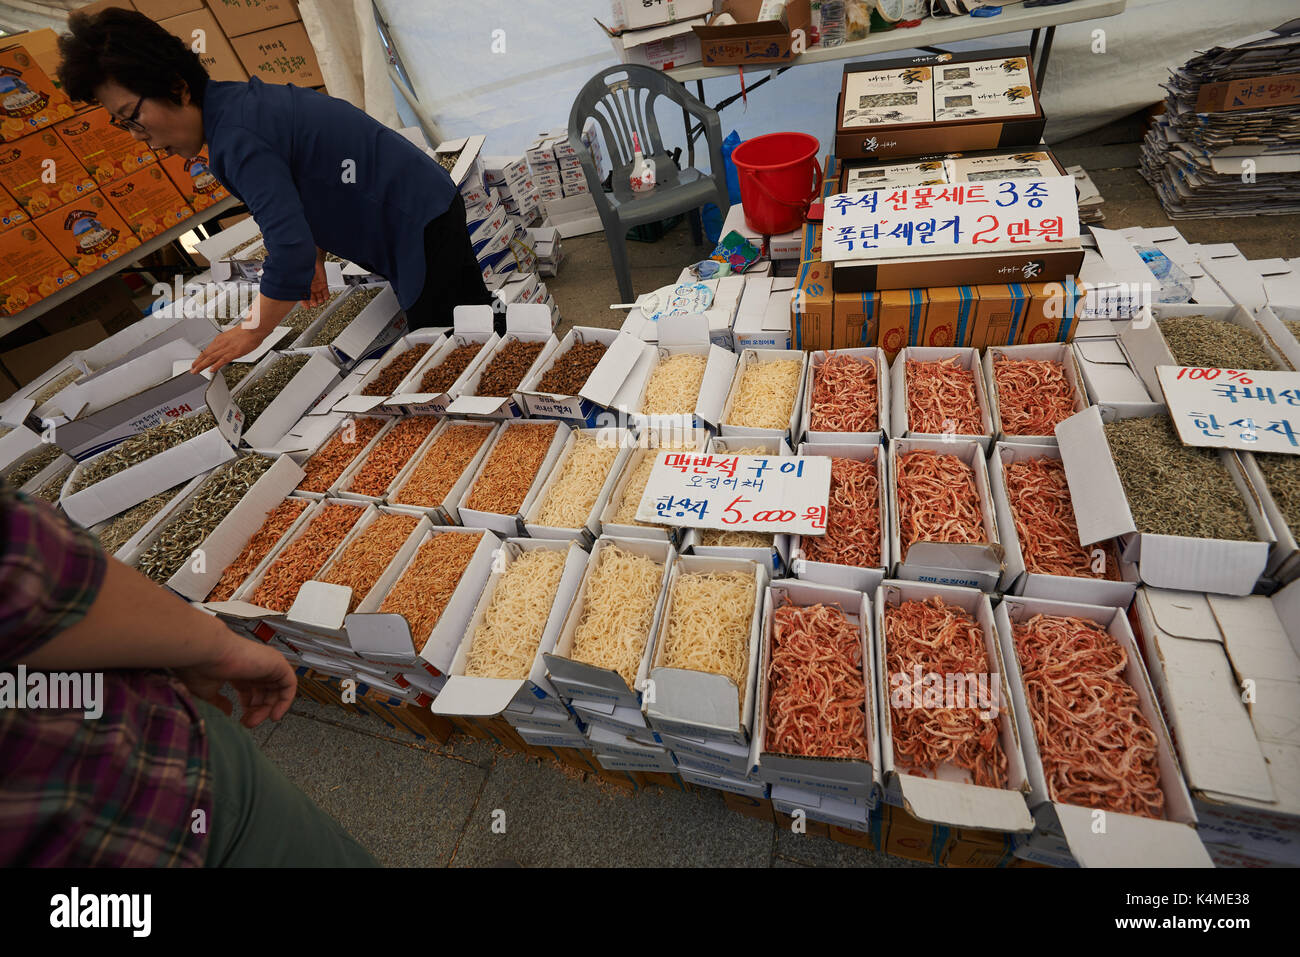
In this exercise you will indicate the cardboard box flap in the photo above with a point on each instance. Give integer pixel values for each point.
(613, 369)
(1183, 614)
(696, 698)
(965, 805)
(98, 391)
(468, 320)
(1100, 506)
(321, 604)
(977, 557)
(379, 636)
(526, 317)
(1129, 840)
(475, 696)
(1254, 638)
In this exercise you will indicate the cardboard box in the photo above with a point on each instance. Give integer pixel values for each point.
(763, 317)
(720, 315)
(1284, 560)
(316, 377)
(88, 233)
(998, 317)
(905, 836)
(472, 324)
(1238, 757)
(217, 56)
(972, 565)
(281, 54)
(682, 335)
(595, 395)
(638, 14)
(148, 202)
(950, 310)
(32, 100)
(812, 308)
(512, 524)
(1050, 352)
(1166, 561)
(695, 703)
(578, 680)
(855, 578)
(197, 185)
(960, 269)
(1051, 314)
(856, 779)
(651, 441)
(967, 359)
(26, 363)
(43, 46)
(106, 152)
(968, 848)
(238, 17)
(1109, 378)
(815, 361)
(748, 358)
(660, 48)
(1016, 578)
(857, 318)
(42, 173)
(162, 9)
(750, 40)
(931, 127)
(525, 322)
(902, 319)
(30, 269)
(1127, 839)
(950, 797)
(11, 211)
(625, 440)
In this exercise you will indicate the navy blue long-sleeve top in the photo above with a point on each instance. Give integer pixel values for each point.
(316, 171)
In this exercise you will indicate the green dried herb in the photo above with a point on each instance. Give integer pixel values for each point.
(1175, 489)
(259, 393)
(218, 494)
(117, 531)
(1282, 473)
(234, 372)
(140, 448)
(341, 317)
(31, 465)
(303, 316)
(1293, 326)
(1213, 344)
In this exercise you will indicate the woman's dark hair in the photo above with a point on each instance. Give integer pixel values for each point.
(128, 48)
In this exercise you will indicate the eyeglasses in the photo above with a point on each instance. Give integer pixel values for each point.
(130, 124)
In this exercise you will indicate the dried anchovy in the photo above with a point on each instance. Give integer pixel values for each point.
(139, 448)
(234, 372)
(506, 370)
(119, 529)
(218, 494)
(300, 317)
(1213, 344)
(234, 253)
(1175, 489)
(341, 317)
(258, 394)
(571, 370)
(49, 492)
(55, 386)
(386, 382)
(1282, 473)
(31, 465)
(441, 377)
(1293, 326)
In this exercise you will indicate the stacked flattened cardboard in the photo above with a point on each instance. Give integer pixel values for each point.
(1228, 143)
(1090, 198)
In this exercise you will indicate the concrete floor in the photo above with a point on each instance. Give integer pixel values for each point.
(418, 806)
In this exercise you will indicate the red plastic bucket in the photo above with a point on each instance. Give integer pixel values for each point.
(779, 176)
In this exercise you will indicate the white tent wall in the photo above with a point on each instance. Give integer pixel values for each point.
(521, 80)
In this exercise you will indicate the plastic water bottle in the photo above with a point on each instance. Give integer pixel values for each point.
(832, 25)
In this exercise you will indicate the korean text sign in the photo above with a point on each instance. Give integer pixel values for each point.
(1231, 409)
(756, 493)
(990, 216)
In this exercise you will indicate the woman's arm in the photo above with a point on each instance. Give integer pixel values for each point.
(245, 337)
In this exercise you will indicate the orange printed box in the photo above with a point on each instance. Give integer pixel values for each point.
(29, 100)
(902, 319)
(11, 211)
(107, 152)
(30, 269)
(42, 174)
(195, 181)
(88, 233)
(1051, 313)
(948, 315)
(148, 202)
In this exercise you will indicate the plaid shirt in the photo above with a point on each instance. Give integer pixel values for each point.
(119, 791)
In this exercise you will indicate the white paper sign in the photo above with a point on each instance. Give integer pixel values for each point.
(1230, 409)
(1003, 216)
(754, 493)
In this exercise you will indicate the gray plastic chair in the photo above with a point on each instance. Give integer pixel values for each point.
(621, 100)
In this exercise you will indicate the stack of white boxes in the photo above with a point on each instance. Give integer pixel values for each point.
(545, 241)
(619, 737)
(556, 170)
(510, 177)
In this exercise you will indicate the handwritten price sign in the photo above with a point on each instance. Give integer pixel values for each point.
(755, 493)
(1014, 214)
(1234, 409)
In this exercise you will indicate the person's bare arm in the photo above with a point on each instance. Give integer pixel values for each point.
(245, 337)
(134, 623)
